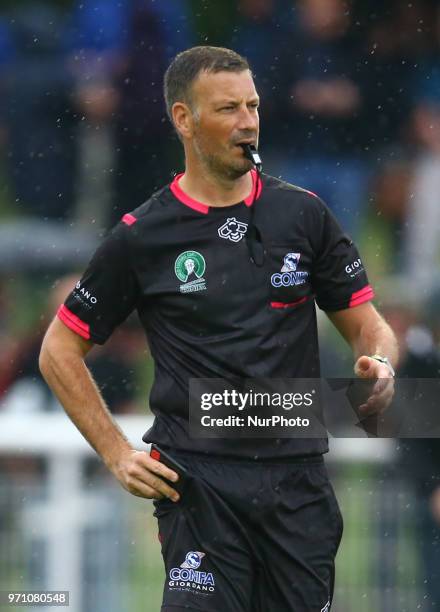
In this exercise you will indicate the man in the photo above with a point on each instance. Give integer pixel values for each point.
(258, 526)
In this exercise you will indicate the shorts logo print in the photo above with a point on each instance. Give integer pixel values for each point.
(326, 608)
(189, 268)
(193, 560)
(187, 577)
(289, 275)
(232, 229)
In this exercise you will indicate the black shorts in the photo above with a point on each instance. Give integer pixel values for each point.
(250, 537)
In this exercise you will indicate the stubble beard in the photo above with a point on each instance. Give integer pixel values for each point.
(216, 166)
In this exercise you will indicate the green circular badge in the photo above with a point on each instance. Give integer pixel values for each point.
(190, 265)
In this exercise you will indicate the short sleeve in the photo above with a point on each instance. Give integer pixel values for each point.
(339, 279)
(107, 292)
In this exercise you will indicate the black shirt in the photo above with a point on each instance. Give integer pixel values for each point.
(208, 311)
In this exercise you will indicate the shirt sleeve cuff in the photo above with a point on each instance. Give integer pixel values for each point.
(73, 322)
(356, 299)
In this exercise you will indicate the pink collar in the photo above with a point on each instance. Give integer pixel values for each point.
(203, 208)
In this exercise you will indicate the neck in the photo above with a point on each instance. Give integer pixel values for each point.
(213, 190)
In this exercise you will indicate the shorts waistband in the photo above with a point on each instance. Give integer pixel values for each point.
(205, 458)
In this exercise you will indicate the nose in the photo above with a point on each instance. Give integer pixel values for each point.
(248, 119)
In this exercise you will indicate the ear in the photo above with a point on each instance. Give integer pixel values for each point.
(183, 119)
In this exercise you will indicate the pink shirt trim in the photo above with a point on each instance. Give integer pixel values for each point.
(361, 296)
(73, 322)
(289, 304)
(128, 219)
(203, 208)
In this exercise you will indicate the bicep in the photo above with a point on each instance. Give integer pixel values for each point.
(59, 339)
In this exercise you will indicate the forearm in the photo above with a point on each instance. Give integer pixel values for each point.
(70, 380)
(376, 339)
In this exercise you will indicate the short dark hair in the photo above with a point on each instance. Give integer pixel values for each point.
(186, 66)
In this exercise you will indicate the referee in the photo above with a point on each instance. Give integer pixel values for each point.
(224, 267)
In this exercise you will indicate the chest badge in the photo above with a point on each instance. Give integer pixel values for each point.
(232, 229)
(289, 275)
(189, 268)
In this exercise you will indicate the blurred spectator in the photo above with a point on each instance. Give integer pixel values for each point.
(6, 56)
(144, 136)
(177, 24)
(398, 34)
(263, 38)
(96, 38)
(213, 21)
(419, 334)
(423, 228)
(38, 114)
(6, 44)
(421, 465)
(113, 365)
(423, 221)
(326, 104)
(6, 340)
(417, 329)
(97, 28)
(383, 235)
(119, 52)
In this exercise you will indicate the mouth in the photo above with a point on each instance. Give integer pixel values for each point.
(250, 141)
(240, 146)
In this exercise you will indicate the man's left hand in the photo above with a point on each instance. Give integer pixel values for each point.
(383, 390)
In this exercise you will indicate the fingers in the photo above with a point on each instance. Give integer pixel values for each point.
(143, 477)
(381, 385)
(383, 390)
(160, 486)
(162, 470)
(142, 490)
(365, 367)
(380, 399)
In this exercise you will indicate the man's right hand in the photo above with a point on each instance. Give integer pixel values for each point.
(141, 475)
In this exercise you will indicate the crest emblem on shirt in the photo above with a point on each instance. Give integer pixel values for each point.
(232, 229)
(291, 261)
(289, 275)
(189, 268)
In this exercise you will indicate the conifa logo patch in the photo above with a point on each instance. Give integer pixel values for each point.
(188, 577)
(289, 275)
